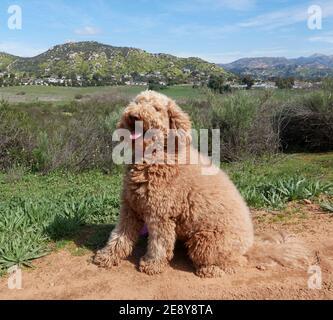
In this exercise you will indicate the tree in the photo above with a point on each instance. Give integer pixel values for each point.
(155, 85)
(285, 83)
(216, 83)
(248, 81)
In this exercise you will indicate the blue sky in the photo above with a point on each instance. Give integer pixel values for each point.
(215, 30)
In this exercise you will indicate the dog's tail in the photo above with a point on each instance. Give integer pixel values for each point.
(279, 249)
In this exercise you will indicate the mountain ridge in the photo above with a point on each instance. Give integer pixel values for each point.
(315, 66)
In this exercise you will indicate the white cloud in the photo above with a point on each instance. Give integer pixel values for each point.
(87, 31)
(286, 17)
(20, 49)
(325, 38)
(209, 5)
(280, 19)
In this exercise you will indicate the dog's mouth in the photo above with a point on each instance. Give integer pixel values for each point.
(136, 135)
(136, 128)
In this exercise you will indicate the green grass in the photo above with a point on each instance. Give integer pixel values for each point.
(66, 94)
(41, 209)
(274, 181)
(44, 213)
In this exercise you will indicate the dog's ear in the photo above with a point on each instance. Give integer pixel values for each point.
(179, 121)
(120, 123)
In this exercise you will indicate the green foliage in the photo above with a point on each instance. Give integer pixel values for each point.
(248, 81)
(217, 84)
(38, 210)
(90, 59)
(275, 194)
(285, 83)
(30, 220)
(274, 182)
(59, 140)
(327, 206)
(77, 135)
(78, 96)
(155, 85)
(328, 84)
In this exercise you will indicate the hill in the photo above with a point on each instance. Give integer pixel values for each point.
(315, 66)
(6, 60)
(93, 59)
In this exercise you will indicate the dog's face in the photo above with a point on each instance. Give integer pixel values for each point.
(151, 110)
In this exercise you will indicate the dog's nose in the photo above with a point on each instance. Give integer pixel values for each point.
(134, 117)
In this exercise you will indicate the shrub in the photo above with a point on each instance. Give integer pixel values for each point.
(78, 135)
(285, 83)
(155, 85)
(73, 136)
(307, 124)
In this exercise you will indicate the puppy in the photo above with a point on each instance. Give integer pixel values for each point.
(176, 200)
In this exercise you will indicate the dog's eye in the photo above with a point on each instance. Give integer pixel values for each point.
(157, 109)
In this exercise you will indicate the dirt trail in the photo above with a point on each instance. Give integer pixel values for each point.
(64, 276)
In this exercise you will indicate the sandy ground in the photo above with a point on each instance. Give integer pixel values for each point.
(64, 276)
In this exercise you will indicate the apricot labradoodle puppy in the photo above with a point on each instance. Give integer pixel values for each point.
(176, 201)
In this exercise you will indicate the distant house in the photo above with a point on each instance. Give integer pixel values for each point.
(39, 82)
(302, 85)
(238, 86)
(264, 85)
(26, 81)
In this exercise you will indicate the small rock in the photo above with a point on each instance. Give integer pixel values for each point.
(307, 201)
(261, 268)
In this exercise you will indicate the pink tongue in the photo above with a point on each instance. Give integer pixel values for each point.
(135, 136)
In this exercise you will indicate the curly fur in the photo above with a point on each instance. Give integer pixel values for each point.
(178, 202)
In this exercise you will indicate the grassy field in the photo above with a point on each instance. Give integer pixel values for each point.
(65, 94)
(42, 213)
(57, 178)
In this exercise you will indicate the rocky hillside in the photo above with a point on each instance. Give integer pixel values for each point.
(92, 58)
(6, 60)
(315, 66)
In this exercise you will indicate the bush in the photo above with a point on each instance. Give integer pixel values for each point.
(77, 136)
(285, 83)
(73, 137)
(307, 124)
(156, 86)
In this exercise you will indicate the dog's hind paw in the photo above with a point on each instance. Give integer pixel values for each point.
(210, 272)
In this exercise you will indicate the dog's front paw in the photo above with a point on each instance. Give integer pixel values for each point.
(106, 258)
(151, 267)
